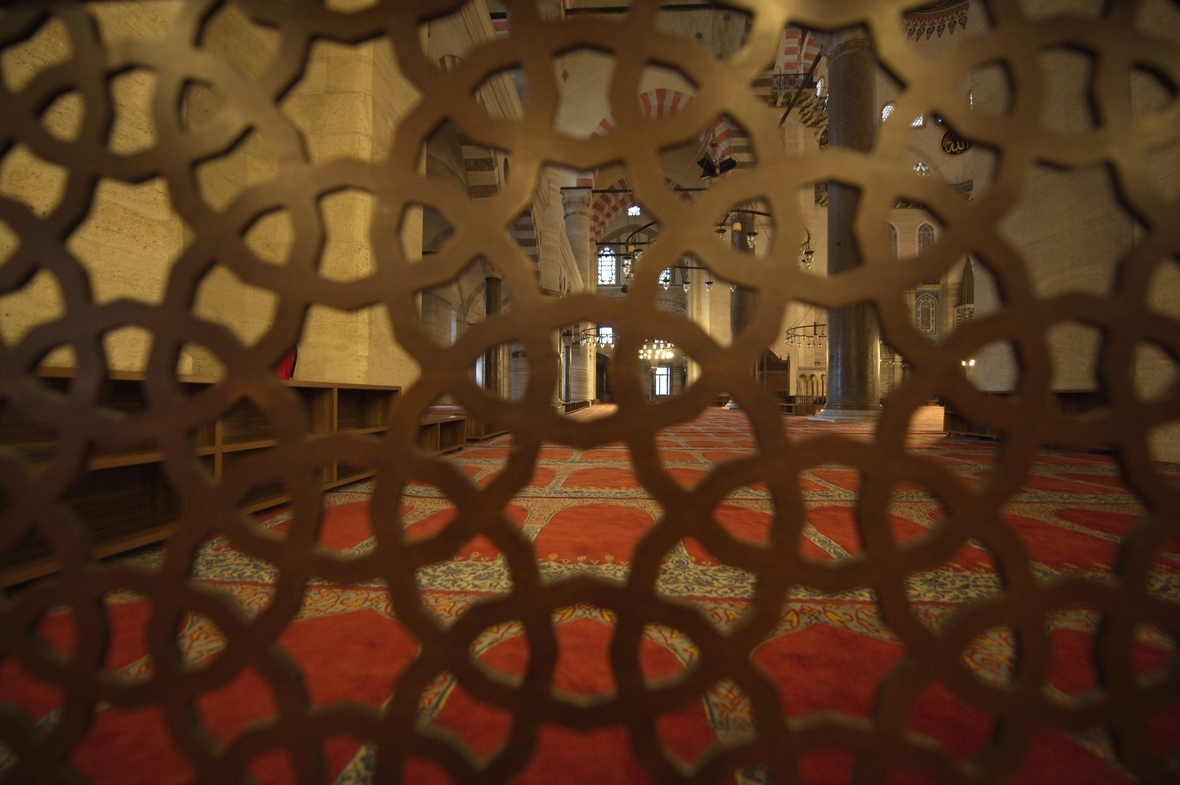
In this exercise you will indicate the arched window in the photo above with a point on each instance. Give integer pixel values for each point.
(886, 110)
(813, 386)
(893, 239)
(666, 278)
(926, 313)
(925, 238)
(608, 269)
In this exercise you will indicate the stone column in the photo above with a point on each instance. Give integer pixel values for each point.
(741, 299)
(577, 227)
(493, 359)
(519, 365)
(854, 349)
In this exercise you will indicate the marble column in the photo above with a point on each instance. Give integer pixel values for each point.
(583, 359)
(854, 349)
(493, 359)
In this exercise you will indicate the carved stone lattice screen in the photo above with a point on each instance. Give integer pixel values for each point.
(1122, 701)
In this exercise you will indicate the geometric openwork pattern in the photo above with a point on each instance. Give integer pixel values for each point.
(481, 231)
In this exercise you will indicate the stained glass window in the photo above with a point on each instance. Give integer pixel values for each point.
(926, 313)
(925, 237)
(607, 268)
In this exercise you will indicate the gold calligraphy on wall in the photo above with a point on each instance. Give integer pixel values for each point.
(953, 144)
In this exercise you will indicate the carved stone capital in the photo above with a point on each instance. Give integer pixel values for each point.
(577, 201)
(842, 42)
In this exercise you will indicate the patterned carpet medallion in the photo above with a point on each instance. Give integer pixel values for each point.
(584, 512)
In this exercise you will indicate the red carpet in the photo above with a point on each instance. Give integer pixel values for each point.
(584, 512)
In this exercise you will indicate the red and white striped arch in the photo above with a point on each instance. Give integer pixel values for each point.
(608, 206)
(798, 51)
(663, 102)
(719, 138)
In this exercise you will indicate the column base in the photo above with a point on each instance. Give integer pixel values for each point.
(839, 414)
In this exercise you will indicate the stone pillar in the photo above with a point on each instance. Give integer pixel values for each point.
(577, 228)
(519, 365)
(493, 359)
(741, 299)
(854, 349)
(582, 365)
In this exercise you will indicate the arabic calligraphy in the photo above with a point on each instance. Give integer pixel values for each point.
(953, 144)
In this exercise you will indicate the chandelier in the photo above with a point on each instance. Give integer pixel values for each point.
(808, 255)
(656, 350)
(807, 335)
(598, 337)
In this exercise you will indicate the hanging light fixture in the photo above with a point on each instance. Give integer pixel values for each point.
(808, 255)
(751, 238)
(720, 232)
(685, 283)
(709, 286)
(658, 349)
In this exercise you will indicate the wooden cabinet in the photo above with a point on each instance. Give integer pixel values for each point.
(442, 433)
(478, 431)
(124, 499)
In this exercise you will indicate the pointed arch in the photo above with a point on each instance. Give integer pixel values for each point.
(926, 237)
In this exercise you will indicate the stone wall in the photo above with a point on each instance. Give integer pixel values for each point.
(347, 104)
(1073, 232)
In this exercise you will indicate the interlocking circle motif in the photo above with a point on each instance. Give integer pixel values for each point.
(398, 184)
